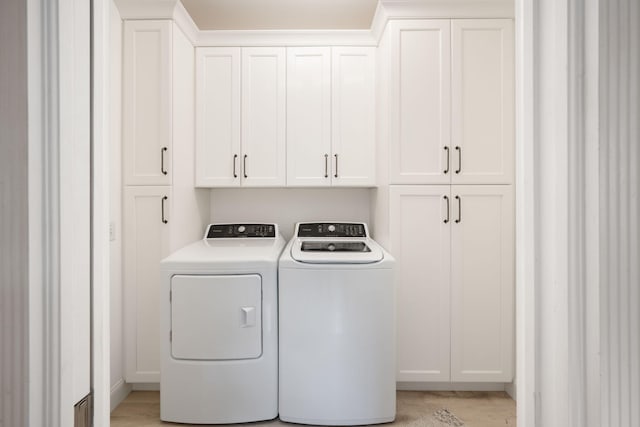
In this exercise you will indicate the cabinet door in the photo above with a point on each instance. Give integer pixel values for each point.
(353, 116)
(263, 117)
(482, 90)
(147, 241)
(146, 106)
(218, 156)
(420, 102)
(308, 116)
(482, 283)
(420, 242)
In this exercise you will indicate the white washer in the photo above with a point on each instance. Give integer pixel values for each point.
(337, 327)
(219, 327)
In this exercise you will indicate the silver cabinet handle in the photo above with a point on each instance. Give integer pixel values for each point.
(447, 219)
(326, 166)
(244, 166)
(459, 209)
(459, 150)
(336, 174)
(162, 151)
(446, 148)
(164, 220)
(235, 158)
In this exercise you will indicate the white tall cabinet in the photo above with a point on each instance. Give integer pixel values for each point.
(158, 151)
(451, 209)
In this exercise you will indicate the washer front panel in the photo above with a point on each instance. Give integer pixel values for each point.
(216, 317)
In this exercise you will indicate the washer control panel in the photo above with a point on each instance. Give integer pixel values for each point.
(332, 229)
(226, 231)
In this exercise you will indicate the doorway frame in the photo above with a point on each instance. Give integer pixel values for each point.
(530, 167)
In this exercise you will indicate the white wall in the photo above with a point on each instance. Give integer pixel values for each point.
(286, 206)
(13, 214)
(118, 389)
(190, 206)
(380, 196)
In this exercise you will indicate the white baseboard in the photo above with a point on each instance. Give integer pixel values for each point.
(428, 386)
(511, 388)
(146, 386)
(119, 391)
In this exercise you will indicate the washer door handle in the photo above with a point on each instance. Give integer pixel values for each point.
(248, 317)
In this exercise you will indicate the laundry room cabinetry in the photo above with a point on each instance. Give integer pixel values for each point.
(330, 116)
(449, 196)
(152, 228)
(454, 249)
(147, 215)
(452, 101)
(240, 117)
(146, 102)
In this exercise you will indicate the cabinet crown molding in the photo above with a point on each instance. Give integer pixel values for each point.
(146, 9)
(385, 11)
(416, 9)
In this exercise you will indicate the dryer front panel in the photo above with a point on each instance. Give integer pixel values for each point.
(216, 317)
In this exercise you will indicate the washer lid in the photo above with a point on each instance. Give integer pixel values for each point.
(336, 251)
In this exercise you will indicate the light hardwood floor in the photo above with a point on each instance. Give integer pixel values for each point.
(414, 408)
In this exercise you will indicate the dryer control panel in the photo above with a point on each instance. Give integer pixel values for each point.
(332, 229)
(226, 231)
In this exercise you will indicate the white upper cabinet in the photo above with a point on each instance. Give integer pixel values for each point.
(452, 101)
(274, 116)
(263, 117)
(146, 106)
(330, 116)
(482, 101)
(308, 116)
(420, 102)
(353, 116)
(240, 117)
(217, 116)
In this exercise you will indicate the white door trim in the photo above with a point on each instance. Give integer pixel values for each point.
(525, 233)
(101, 336)
(557, 181)
(44, 257)
(49, 382)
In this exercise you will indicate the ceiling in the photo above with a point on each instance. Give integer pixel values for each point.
(281, 14)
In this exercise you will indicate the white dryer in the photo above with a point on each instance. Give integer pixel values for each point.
(219, 327)
(337, 327)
